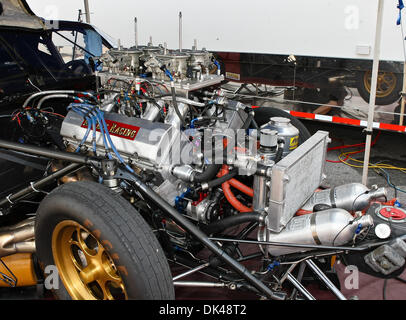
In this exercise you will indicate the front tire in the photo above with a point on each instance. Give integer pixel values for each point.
(100, 245)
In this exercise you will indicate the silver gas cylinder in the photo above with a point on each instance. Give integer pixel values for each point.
(333, 227)
(351, 197)
(286, 131)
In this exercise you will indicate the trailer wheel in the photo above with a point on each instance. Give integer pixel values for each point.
(263, 115)
(100, 245)
(388, 89)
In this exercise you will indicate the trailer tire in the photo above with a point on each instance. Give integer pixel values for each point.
(100, 245)
(263, 115)
(390, 84)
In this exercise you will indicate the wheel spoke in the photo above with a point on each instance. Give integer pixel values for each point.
(109, 267)
(381, 88)
(90, 273)
(105, 284)
(106, 293)
(389, 82)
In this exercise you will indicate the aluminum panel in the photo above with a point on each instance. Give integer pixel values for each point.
(294, 180)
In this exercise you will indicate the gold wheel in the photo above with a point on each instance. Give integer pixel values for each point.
(85, 267)
(387, 82)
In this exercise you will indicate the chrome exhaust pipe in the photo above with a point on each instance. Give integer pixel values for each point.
(350, 197)
(26, 222)
(18, 238)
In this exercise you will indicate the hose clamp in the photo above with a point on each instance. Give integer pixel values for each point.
(8, 198)
(33, 188)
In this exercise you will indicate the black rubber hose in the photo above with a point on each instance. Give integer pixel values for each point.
(175, 105)
(221, 225)
(221, 180)
(152, 100)
(279, 153)
(211, 171)
(248, 121)
(208, 174)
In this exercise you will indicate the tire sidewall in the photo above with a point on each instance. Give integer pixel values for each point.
(60, 207)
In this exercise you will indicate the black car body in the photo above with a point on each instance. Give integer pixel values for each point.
(30, 62)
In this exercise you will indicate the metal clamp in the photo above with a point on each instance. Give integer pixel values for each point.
(35, 189)
(8, 198)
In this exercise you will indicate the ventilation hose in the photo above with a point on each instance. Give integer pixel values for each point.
(221, 225)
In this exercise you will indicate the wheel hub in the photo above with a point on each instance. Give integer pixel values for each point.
(386, 83)
(84, 266)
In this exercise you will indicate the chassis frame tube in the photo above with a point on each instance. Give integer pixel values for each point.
(298, 286)
(298, 245)
(191, 271)
(52, 154)
(193, 230)
(34, 186)
(195, 284)
(325, 280)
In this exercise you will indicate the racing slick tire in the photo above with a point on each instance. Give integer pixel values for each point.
(100, 246)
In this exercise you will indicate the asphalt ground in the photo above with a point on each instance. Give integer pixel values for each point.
(390, 148)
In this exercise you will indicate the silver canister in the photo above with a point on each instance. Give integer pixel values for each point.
(176, 62)
(286, 131)
(149, 51)
(351, 197)
(199, 60)
(126, 61)
(268, 138)
(333, 227)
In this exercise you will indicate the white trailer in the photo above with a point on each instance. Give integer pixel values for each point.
(323, 28)
(329, 38)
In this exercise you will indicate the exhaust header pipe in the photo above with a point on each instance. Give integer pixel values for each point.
(17, 239)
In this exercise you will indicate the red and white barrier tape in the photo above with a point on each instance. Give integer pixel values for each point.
(353, 122)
